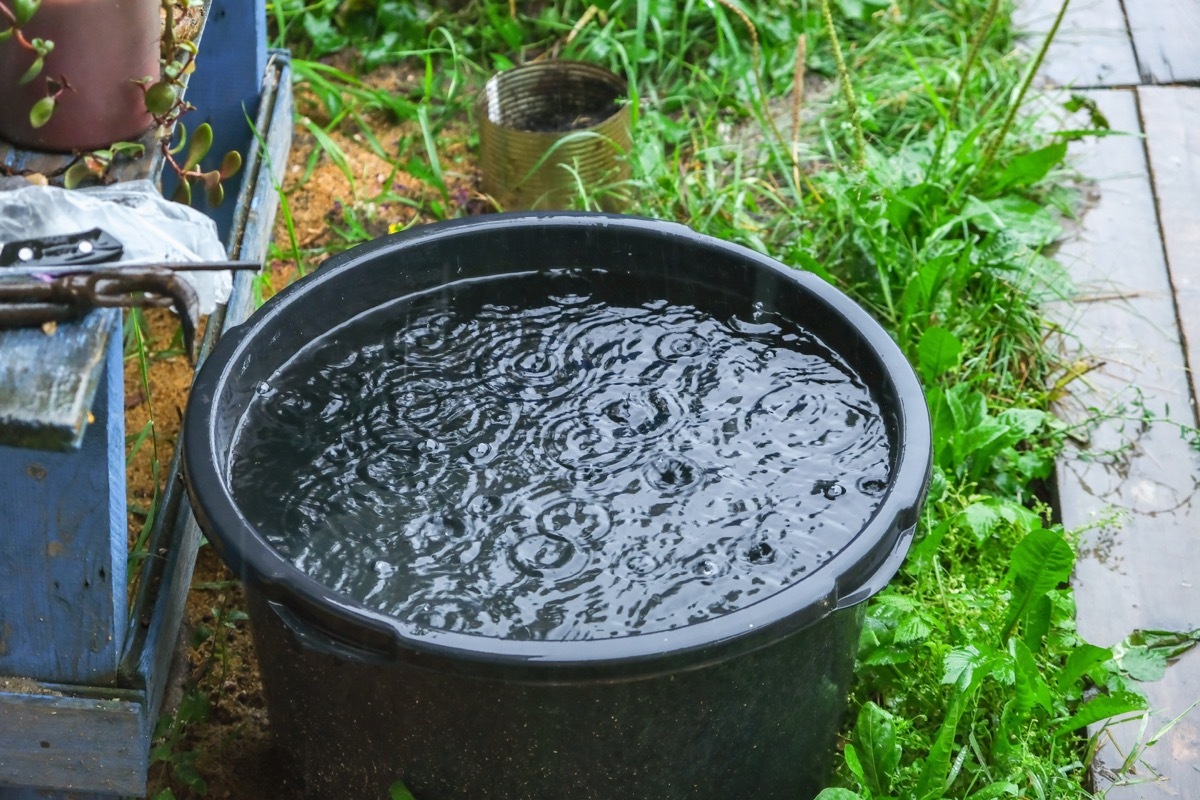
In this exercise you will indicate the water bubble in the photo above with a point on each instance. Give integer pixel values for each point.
(671, 473)
(480, 451)
(446, 615)
(483, 505)
(707, 568)
(433, 531)
(570, 299)
(761, 552)
(830, 489)
(871, 486)
(641, 564)
(385, 570)
(543, 555)
(673, 346)
(262, 389)
(432, 447)
(577, 519)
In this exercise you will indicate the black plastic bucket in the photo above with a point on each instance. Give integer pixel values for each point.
(744, 705)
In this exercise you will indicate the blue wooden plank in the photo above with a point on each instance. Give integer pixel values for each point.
(68, 743)
(47, 383)
(225, 89)
(258, 200)
(63, 545)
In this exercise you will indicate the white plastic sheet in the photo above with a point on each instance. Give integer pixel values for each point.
(149, 227)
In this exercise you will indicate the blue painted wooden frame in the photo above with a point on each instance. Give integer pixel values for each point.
(225, 89)
(77, 722)
(62, 566)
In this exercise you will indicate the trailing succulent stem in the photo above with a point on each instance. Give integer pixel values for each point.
(18, 13)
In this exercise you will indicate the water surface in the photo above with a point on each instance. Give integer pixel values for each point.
(552, 456)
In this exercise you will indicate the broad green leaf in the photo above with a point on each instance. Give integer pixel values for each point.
(1173, 643)
(1001, 789)
(1037, 622)
(875, 733)
(964, 667)
(1023, 421)
(837, 793)
(1029, 168)
(1040, 562)
(854, 763)
(1144, 655)
(938, 353)
(41, 112)
(399, 791)
(932, 783)
(981, 519)
(1096, 116)
(1105, 706)
(851, 9)
(913, 628)
(1143, 664)
(1023, 220)
(186, 773)
(1031, 688)
(1079, 662)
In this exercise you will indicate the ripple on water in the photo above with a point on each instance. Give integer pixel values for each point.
(527, 458)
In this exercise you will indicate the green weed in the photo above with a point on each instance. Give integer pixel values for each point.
(922, 189)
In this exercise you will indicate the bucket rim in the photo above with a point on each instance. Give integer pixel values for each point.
(860, 569)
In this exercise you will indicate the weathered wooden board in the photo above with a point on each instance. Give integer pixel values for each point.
(1166, 38)
(62, 545)
(1137, 568)
(1093, 46)
(48, 408)
(67, 743)
(1171, 117)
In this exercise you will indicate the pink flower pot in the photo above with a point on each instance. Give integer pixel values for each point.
(101, 47)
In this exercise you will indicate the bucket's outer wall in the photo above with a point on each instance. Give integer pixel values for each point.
(745, 706)
(762, 726)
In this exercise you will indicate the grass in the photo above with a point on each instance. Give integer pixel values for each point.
(914, 183)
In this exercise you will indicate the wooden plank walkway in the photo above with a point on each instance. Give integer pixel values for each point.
(1133, 487)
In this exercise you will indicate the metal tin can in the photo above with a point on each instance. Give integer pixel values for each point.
(552, 131)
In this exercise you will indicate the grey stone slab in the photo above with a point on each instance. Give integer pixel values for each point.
(1092, 47)
(1133, 487)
